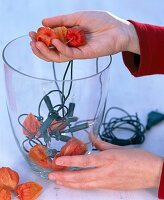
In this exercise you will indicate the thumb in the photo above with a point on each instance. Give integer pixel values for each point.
(100, 144)
(67, 20)
(69, 52)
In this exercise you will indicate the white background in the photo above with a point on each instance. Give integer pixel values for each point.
(139, 95)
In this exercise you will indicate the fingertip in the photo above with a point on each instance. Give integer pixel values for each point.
(59, 183)
(29, 33)
(47, 21)
(59, 161)
(51, 176)
(44, 21)
(56, 41)
(32, 44)
(32, 35)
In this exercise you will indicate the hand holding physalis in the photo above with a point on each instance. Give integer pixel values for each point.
(105, 34)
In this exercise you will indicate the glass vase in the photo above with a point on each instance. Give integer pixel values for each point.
(55, 109)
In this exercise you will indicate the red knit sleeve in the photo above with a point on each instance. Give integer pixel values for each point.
(151, 41)
(161, 186)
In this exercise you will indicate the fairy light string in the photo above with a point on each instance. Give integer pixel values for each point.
(53, 110)
(65, 120)
(127, 122)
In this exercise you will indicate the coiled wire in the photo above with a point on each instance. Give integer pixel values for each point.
(126, 122)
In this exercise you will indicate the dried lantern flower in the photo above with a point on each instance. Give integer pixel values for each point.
(9, 178)
(1, 185)
(74, 147)
(28, 191)
(5, 195)
(31, 124)
(76, 37)
(61, 33)
(38, 155)
(46, 35)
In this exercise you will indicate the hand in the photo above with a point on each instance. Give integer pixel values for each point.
(106, 35)
(115, 168)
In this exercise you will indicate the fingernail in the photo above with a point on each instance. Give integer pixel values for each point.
(53, 42)
(59, 162)
(59, 183)
(51, 177)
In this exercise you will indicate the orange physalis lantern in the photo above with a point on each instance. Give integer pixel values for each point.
(9, 178)
(76, 37)
(31, 124)
(5, 195)
(38, 155)
(29, 191)
(56, 167)
(1, 185)
(74, 147)
(61, 33)
(46, 35)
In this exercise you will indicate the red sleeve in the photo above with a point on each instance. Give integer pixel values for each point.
(161, 186)
(151, 59)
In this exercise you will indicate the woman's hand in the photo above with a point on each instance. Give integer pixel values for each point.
(114, 168)
(106, 35)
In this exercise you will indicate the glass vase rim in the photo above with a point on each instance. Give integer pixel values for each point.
(50, 80)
